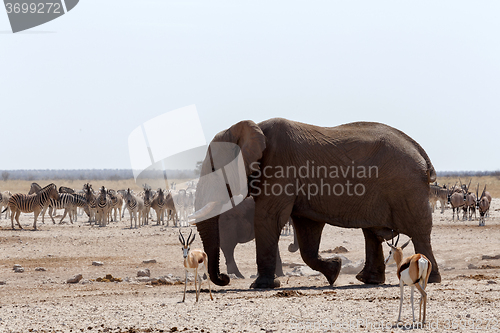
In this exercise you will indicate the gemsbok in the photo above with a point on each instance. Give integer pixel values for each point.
(483, 204)
(413, 271)
(193, 261)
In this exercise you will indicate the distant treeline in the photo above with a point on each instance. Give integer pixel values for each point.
(119, 174)
(468, 173)
(94, 174)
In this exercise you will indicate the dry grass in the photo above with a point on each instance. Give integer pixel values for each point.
(23, 186)
(492, 183)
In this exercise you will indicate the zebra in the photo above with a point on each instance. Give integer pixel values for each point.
(103, 209)
(78, 201)
(440, 194)
(4, 202)
(181, 202)
(135, 205)
(90, 197)
(28, 203)
(159, 205)
(65, 201)
(147, 197)
(64, 189)
(116, 204)
(170, 208)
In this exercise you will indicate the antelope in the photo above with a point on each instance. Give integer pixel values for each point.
(413, 271)
(469, 204)
(194, 260)
(456, 198)
(483, 204)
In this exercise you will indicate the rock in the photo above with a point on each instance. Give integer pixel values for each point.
(145, 279)
(253, 276)
(97, 263)
(304, 271)
(338, 249)
(491, 282)
(85, 281)
(352, 268)
(149, 261)
(75, 279)
(3, 283)
(448, 268)
(18, 268)
(144, 272)
(343, 258)
(486, 257)
(40, 269)
(472, 266)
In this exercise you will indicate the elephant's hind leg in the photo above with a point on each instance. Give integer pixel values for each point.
(309, 236)
(374, 270)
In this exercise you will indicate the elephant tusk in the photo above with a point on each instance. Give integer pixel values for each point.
(203, 211)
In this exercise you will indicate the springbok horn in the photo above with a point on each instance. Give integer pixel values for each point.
(405, 244)
(390, 245)
(204, 211)
(192, 240)
(189, 237)
(397, 240)
(181, 238)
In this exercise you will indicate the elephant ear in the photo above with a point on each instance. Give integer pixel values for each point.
(251, 140)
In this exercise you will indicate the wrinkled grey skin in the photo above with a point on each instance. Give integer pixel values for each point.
(397, 199)
(236, 227)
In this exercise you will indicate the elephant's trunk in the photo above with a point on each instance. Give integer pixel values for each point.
(209, 233)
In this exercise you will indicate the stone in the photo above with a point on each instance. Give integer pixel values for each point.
(18, 268)
(487, 257)
(144, 272)
(149, 261)
(304, 271)
(75, 279)
(97, 263)
(352, 268)
(3, 283)
(472, 266)
(40, 269)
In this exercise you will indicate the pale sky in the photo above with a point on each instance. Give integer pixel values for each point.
(73, 89)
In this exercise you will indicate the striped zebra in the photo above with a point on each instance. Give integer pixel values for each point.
(147, 197)
(78, 200)
(159, 204)
(116, 204)
(135, 206)
(28, 203)
(90, 197)
(4, 202)
(65, 201)
(104, 204)
(64, 189)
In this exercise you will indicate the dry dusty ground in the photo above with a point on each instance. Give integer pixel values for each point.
(466, 300)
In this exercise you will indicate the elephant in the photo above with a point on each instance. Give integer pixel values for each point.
(371, 176)
(236, 227)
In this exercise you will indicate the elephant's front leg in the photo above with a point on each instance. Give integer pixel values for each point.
(309, 236)
(374, 270)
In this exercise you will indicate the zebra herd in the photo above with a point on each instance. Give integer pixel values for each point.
(102, 206)
(462, 197)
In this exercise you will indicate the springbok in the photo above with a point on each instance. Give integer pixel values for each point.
(413, 271)
(194, 260)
